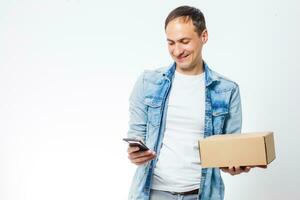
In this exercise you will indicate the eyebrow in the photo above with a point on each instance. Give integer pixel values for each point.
(180, 40)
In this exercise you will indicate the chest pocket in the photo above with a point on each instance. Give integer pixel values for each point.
(220, 109)
(218, 118)
(154, 110)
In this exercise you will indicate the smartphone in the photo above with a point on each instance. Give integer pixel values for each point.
(136, 143)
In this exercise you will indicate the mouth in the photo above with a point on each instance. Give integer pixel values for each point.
(182, 58)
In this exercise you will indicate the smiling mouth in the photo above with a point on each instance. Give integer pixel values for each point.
(181, 58)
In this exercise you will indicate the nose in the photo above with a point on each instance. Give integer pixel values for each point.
(177, 50)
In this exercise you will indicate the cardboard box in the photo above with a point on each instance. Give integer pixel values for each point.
(246, 149)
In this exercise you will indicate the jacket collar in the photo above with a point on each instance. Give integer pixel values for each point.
(210, 76)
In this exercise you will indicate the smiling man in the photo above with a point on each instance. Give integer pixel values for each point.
(171, 108)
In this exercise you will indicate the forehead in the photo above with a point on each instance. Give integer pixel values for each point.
(180, 27)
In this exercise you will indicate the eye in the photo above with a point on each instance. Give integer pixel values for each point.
(185, 41)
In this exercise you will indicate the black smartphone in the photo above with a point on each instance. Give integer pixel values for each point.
(136, 143)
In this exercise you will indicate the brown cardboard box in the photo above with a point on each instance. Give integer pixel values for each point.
(246, 149)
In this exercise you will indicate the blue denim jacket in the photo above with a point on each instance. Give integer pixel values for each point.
(148, 107)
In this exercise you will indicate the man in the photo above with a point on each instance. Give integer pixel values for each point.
(172, 108)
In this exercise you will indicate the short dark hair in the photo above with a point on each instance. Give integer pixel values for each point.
(189, 13)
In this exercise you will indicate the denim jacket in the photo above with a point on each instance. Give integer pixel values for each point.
(148, 108)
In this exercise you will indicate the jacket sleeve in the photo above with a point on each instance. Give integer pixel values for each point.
(137, 111)
(233, 123)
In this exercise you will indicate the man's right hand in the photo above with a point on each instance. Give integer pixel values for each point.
(140, 157)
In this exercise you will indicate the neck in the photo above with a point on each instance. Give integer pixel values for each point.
(192, 70)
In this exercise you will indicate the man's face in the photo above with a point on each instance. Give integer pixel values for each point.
(184, 44)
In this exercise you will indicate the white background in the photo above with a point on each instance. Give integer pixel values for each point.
(67, 69)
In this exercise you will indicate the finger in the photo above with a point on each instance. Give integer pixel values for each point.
(232, 173)
(237, 170)
(247, 169)
(135, 155)
(132, 149)
(142, 160)
(262, 166)
(231, 170)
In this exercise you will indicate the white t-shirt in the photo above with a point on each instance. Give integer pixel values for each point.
(178, 168)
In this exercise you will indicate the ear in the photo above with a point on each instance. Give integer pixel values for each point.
(204, 36)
